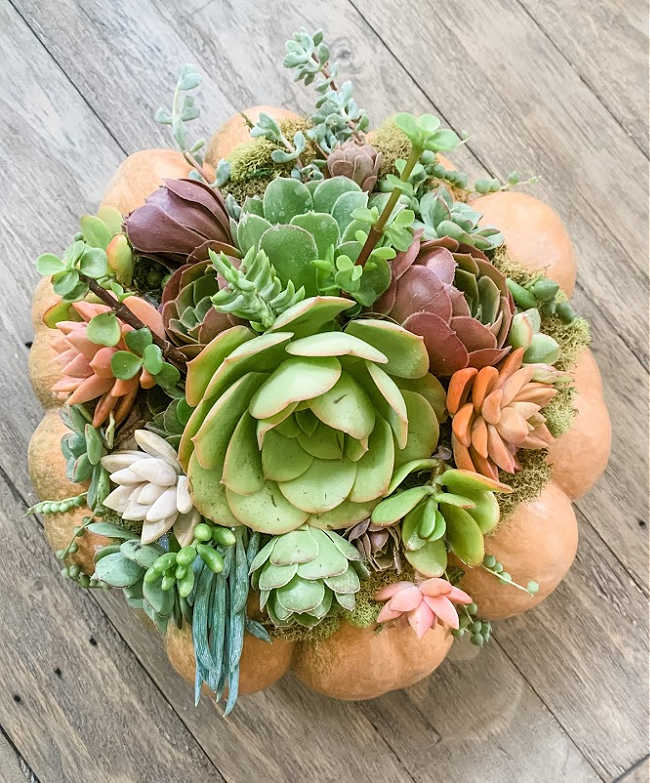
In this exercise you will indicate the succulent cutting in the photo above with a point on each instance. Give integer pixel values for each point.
(304, 389)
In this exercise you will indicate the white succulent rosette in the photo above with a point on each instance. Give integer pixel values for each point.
(152, 489)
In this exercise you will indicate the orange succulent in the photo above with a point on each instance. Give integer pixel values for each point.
(87, 373)
(496, 412)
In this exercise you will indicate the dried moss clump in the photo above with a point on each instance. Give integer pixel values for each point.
(252, 167)
(528, 483)
(392, 144)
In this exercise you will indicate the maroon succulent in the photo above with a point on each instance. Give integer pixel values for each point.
(179, 222)
(455, 298)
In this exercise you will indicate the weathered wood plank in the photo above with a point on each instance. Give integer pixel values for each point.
(12, 767)
(607, 49)
(73, 691)
(591, 633)
(640, 773)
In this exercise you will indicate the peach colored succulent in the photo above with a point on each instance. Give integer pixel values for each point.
(87, 373)
(423, 603)
(496, 412)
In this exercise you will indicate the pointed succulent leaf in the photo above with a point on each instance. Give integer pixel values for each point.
(431, 389)
(212, 439)
(464, 534)
(407, 468)
(329, 562)
(201, 369)
(335, 344)
(486, 511)
(375, 468)
(391, 510)
(407, 355)
(466, 482)
(294, 380)
(423, 429)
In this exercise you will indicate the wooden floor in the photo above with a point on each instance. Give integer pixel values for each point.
(552, 87)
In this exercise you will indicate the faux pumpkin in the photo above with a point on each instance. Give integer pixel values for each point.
(537, 541)
(534, 233)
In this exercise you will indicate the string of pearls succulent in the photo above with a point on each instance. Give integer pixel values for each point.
(151, 488)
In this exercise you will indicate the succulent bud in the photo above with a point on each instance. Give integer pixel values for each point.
(120, 259)
(358, 162)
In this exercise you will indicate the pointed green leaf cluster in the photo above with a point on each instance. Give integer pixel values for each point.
(453, 511)
(254, 291)
(83, 448)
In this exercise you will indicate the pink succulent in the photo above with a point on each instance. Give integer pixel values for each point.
(424, 603)
(87, 373)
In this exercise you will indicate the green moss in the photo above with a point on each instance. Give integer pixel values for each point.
(365, 612)
(392, 144)
(252, 167)
(528, 483)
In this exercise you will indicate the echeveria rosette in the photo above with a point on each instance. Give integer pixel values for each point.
(441, 217)
(190, 320)
(92, 351)
(453, 297)
(450, 512)
(179, 222)
(304, 423)
(300, 574)
(151, 488)
(497, 411)
(358, 162)
(424, 603)
(305, 231)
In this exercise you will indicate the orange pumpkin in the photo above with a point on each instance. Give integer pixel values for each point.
(260, 666)
(235, 131)
(535, 234)
(579, 457)
(363, 663)
(537, 541)
(140, 174)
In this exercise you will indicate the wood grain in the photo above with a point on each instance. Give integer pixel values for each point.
(560, 693)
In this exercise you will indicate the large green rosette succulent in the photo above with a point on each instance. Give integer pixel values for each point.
(300, 574)
(305, 423)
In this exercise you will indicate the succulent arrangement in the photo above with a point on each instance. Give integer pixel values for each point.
(313, 412)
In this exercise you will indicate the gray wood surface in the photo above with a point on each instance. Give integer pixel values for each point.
(546, 87)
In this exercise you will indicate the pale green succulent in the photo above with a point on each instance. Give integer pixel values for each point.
(313, 233)
(441, 216)
(300, 574)
(306, 423)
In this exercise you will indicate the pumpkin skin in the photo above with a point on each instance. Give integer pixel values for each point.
(535, 234)
(261, 664)
(579, 457)
(44, 367)
(363, 663)
(235, 131)
(537, 541)
(47, 472)
(140, 174)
